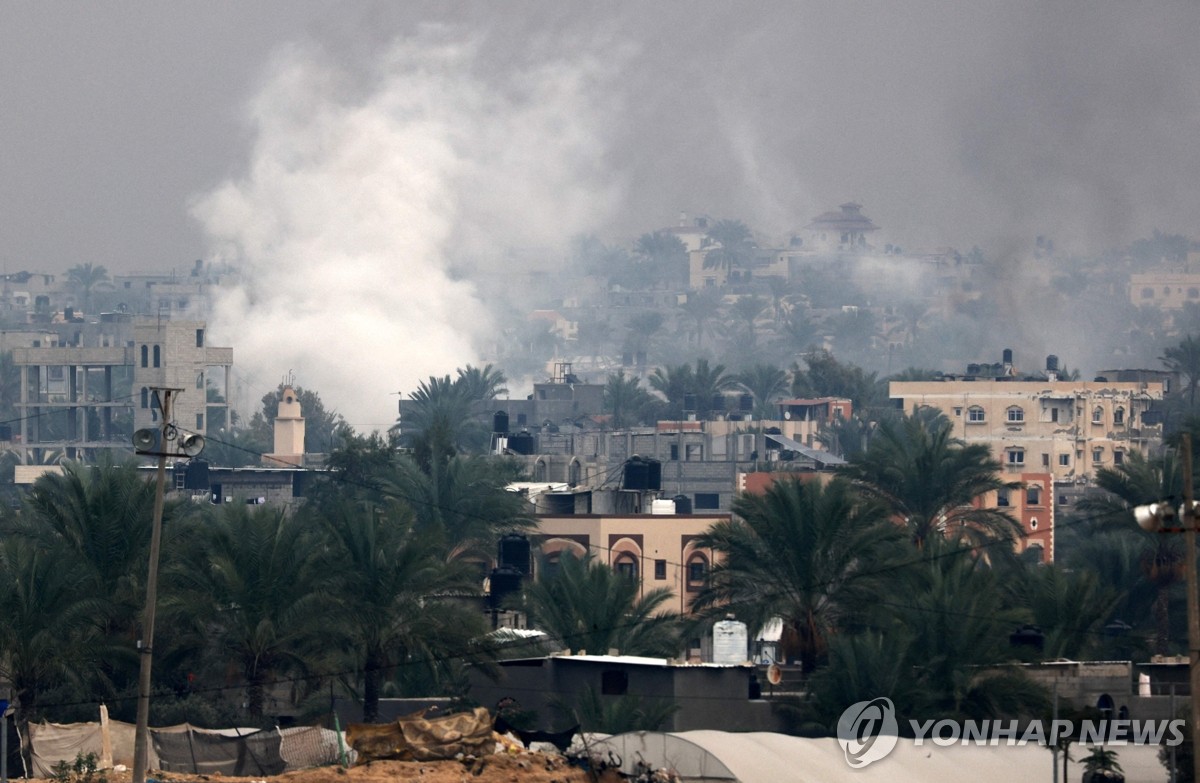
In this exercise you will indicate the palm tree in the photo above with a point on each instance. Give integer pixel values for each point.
(668, 256)
(86, 277)
(1070, 606)
(624, 399)
(440, 410)
(392, 595)
(257, 591)
(1185, 360)
(642, 328)
(767, 383)
(748, 309)
(463, 505)
(585, 605)
(481, 384)
(801, 552)
(701, 308)
(1137, 481)
(51, 634)
(734, 246)
(932, 481)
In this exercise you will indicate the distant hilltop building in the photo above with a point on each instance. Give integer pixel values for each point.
(845, 230)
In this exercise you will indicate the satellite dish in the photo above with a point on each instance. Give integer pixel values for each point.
(787, 415)
(192, 445)
(145, 439)
(774, 674)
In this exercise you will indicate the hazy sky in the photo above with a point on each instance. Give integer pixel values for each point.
(353, 159)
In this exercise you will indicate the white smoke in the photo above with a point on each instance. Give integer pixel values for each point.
(367, 195)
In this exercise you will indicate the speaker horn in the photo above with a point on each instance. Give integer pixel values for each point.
(192, 445)
(145, 440)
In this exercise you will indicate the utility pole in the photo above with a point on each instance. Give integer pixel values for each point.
(166, 442)
(1161, 518)
(1193, 599)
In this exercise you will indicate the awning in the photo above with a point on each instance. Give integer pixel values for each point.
(816, 455)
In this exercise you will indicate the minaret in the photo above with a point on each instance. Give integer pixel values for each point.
(289, 432)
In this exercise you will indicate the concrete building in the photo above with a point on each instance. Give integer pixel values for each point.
(708, 696)
(288, 432)
(843, 231)
(1166, 290)
(655, 550)
(1068, 429)
(92, 388)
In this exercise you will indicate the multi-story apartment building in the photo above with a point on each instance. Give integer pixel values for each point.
(92, 388)
(1068, 429)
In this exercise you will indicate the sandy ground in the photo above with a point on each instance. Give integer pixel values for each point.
(499, 768)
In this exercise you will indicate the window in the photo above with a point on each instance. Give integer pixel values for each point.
(1033, 523)
(199, 380)
(958, 411)
(1147, 293)
(1097, 455)
(1097, 415)
(1118, 458)
(1054, 414)
(1045, 460)
(694, 452)
(199, 338)
(1119, 416)
(1002, 498)
(674, 452)
(199, 422)
(157, 356)
(1016, 415)
(145, 356)
(975, 413)
(1033, 496)
(613, 683)
(1015, 456)
(708, 500)
(697, 572)
(1064, 460)
(145, 397)
(660, 569)
(626, 567)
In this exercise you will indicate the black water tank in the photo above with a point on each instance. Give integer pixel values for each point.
(196, 475)
(500, 423)
(683, 504)
(504, 581)
(1008, 355)
(689, 402)
(514, 552)
(718, 402)
(637, 474)
(746, 402)
(1052, 363)
(653, 474)
(521, 443)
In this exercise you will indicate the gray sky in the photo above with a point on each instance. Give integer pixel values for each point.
(953, 123)
(375, 167)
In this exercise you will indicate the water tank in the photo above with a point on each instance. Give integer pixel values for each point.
(662, 506)
(504, 581)
(1008, 355)
(520, 443)
(196, 475)
(730, 642)
(689, 402)
(653, 474)
(972, 369)
(746, 402)
(637, 474)
(500, 423)
(514, 552)
(683, 504)
(1052, 363)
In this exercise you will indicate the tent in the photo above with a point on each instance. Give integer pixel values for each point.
(760, 757)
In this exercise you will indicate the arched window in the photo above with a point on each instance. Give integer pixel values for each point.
(975, 414)
(1097, 415)
(573, 472)
(145, 356)
(697, 572)
(157, 356)
(1016, 414)
(539, 470)
(1119, 416)
(626, 566)
(145, 397)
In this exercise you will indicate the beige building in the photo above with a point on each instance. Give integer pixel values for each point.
(656, 550)
(1068, 429)
(1164, 290)
(288, 431)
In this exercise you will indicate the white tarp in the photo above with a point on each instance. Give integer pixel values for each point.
(760, 757)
